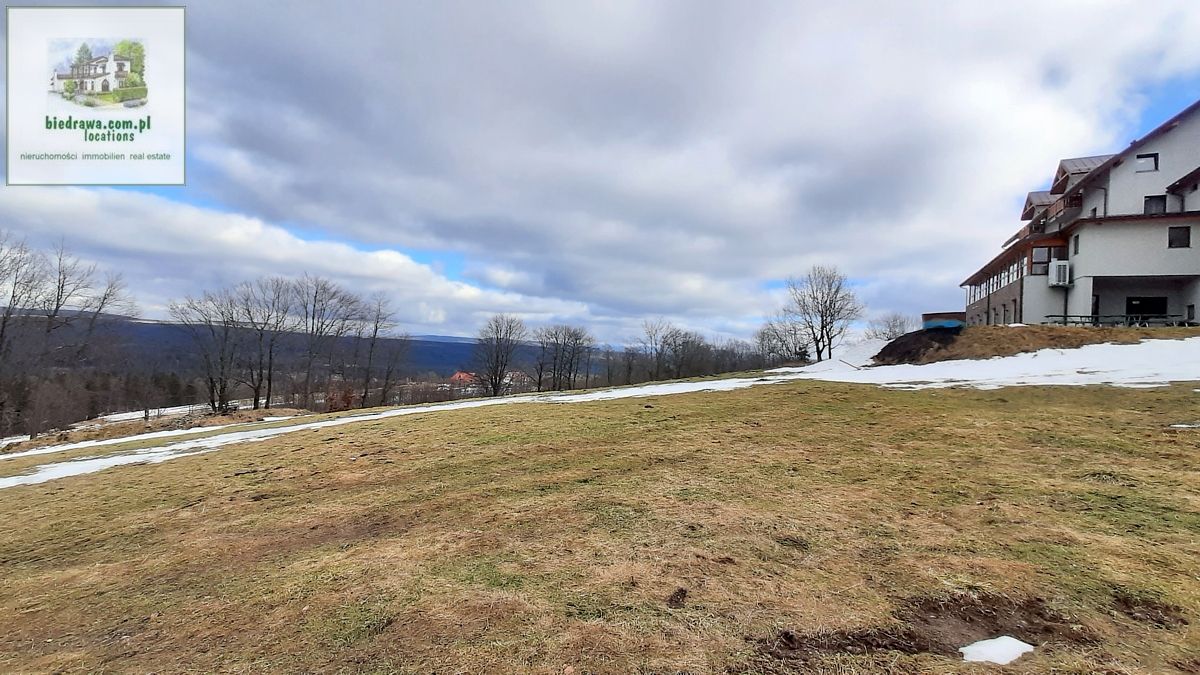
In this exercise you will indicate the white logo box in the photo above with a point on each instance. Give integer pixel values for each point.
(74, 120)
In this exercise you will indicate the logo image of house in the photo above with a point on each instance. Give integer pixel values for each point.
(97, 72)
(100, 74)
(1110, 243)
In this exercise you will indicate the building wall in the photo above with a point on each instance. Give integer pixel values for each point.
(979, 313)
(1080, 297)
(1040, 300)
(1177, 155)
(1135, 248)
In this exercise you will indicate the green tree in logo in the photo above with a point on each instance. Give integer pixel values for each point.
(136, 53)
(83, 55)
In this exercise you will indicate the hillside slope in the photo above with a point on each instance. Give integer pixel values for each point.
(804, 527)
(982, 342)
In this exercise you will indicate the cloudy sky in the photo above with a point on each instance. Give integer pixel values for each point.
(601, 163)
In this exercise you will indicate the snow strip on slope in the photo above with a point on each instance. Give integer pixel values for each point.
(1147, 363)
(80, 445)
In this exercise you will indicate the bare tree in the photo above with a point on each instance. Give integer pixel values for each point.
(783, 339)
(653, 343)
(111, 297)
(686, 353)
(212, 322)
(824, 304)
(564, 355)
(67, 284)
(52, 306)
(265, 308)
(327, 312)
(380, 320)
(21, 274)
(890, 326)
(394, 351)
(495, 351)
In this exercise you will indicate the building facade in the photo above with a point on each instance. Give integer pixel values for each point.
(101, 74)
(1111, 242)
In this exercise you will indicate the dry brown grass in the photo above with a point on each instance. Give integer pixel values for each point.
(538, 537)
(981, 342)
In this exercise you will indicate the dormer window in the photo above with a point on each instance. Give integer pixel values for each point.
(1146, 163)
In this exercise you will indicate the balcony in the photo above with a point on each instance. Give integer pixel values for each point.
(1063, 212)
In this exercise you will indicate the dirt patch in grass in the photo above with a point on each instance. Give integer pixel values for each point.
(981, 342)
(677, 598)
(1148, 608)
(938, 626)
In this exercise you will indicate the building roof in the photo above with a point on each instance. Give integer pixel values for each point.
(1035, 200)
(1075, 166)
(1082, 164)
(1190, 178)
(1010, 255)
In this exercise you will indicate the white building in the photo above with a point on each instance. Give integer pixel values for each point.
(101, 74)
(1110, 242)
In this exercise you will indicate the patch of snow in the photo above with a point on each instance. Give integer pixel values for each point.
(1002, 650)
(1186, 426)
(154, 413)
(1016, 325)
(13, 439)
(80, 445)
(853, 356)
(277, 419)
(1147, 363)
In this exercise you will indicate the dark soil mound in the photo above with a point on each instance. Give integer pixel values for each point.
(923, 625)
(911, 347)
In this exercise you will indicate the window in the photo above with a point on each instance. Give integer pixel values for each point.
(1191, 313)
(1147, 162)
(1075, 245)
(1179, 237)
(1156, 204)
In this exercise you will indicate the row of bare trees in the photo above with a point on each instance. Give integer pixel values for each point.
(312, 343)
(49, 326)
(348, 350)
(561, 357)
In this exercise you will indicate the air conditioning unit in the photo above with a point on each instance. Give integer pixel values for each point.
(1060, 273)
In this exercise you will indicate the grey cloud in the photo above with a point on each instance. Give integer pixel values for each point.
(609, 161)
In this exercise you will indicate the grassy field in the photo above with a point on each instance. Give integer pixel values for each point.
(805, 527)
